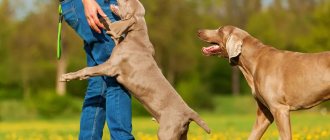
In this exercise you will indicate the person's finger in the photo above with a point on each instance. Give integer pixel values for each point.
(88, 17)
(94, 26)
(92, 20)
(100, 11)
(97, 22)
(89, 23)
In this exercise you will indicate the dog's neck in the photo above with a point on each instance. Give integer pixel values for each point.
(140, 24)
(252, 49)
(139, 30)
(247, 62)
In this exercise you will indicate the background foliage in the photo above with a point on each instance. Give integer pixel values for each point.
(29, 69)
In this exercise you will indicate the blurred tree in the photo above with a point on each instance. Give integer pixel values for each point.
(28, 45)
(299, 7)
(237, 13)
(61, 69)
(289, 25)
(173, 36)
(7, 25)
(313, 34)
(33, 50)
(27, 51)
(173, 31)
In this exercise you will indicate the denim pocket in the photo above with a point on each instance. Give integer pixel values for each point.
(69, 13)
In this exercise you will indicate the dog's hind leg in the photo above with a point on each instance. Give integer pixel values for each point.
(169, 129)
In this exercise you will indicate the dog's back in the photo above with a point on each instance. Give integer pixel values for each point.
(303, 77)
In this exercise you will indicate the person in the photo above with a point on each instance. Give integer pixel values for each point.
(105, 99)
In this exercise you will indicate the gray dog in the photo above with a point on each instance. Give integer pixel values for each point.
(133, 64)
(281, 81)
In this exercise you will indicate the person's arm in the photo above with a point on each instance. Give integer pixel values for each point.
(92, 9)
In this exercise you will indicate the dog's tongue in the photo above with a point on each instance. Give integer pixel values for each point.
(211, 50)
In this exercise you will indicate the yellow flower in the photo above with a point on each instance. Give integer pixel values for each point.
(309, 137)
(324, 133)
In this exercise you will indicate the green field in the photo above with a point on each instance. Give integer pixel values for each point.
(306, 126)
(231, 119)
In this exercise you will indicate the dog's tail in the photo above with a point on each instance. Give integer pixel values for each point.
(195, 117)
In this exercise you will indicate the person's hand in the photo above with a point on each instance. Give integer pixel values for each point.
(92, 9)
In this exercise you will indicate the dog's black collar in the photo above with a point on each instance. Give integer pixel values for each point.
(234, 61)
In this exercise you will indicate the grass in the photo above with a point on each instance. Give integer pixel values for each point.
(232, 119)
(306, 126)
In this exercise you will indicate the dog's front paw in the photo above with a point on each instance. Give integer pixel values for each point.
(68, 77)
(84, 77)
(113, 34)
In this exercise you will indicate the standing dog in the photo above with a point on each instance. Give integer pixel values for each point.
(281, 81)
(133, 65)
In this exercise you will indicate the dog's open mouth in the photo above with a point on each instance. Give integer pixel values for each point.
(214, 49)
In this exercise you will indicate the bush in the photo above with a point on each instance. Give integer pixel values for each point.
(195, 94)
(236, 105)
(10, 93)
(48, 104)
(15, 110)
(138, 109)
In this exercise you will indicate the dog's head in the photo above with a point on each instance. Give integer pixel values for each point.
(129, 8)
(226, 42)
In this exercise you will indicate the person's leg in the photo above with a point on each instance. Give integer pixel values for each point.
(98, 48)
(93, 115)
(118, 111)
(118, 100)
(93, 112)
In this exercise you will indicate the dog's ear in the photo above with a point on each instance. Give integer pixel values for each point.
(234, 48)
